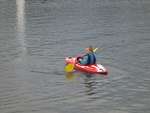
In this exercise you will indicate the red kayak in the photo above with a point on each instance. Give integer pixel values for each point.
(93, 69)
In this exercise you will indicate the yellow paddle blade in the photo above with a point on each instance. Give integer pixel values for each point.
(69, 68)
(95, 50)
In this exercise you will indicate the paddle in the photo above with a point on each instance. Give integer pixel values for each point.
(70, 67)
(95, 50)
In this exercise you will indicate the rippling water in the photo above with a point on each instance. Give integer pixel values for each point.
(36, 36)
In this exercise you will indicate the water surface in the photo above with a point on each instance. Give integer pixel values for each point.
(36, 36)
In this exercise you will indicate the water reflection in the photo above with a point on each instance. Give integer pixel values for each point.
(89, 81)
(21, 23)
(72, 76)
(90, 84)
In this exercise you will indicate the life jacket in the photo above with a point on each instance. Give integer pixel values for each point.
(91, 58)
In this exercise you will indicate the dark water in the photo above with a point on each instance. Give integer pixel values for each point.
(36, 36)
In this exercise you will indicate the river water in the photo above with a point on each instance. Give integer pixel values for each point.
(37, 35)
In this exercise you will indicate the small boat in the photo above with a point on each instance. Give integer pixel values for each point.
(92, 69)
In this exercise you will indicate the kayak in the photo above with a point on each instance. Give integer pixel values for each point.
(92, 69)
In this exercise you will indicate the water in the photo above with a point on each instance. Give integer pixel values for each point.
(36, 36)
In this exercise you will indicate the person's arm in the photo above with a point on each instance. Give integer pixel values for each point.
(84, 60)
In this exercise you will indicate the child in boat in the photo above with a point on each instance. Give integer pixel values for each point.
(89, 58)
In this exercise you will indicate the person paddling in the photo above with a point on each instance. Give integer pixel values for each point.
(89, 58)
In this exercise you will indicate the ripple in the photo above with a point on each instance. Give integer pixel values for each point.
(32, 80)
